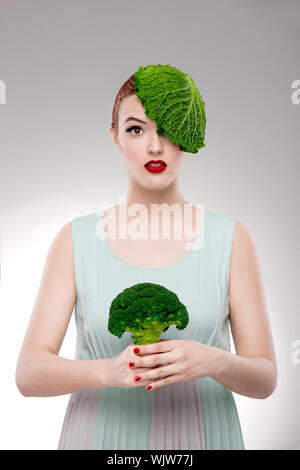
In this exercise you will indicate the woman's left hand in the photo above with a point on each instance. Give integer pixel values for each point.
(176, 360)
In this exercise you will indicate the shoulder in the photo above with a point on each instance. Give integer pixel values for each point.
(232, 235)
(243, 240)
(65, 230)
(244, 257)
(240, 231)
(218, 218)
(62, 241)
(84, 223)
(219, 228)
(59, 259)
(85, 218)
(64, 236)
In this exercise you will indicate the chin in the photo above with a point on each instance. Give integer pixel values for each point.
(156, 185)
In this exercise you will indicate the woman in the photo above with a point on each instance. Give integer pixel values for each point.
(175, 393)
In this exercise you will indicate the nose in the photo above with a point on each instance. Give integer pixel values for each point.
(155, 144)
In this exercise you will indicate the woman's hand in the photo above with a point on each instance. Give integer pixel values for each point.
(121, 374)
(176, 360)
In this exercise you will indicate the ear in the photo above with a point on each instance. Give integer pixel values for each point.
(114, 134)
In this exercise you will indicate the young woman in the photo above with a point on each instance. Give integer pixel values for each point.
(191, 372)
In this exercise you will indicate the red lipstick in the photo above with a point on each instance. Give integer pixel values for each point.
(155, 166)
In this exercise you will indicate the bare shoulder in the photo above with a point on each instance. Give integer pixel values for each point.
(58, 276)
(244, 252)
(59, 264)
(242, 235)
(244, 265)
(62, 244)
(65, 232)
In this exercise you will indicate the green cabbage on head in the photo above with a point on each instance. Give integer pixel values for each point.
(171, 98)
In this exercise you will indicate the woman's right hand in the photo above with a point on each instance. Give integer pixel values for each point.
(122, 375)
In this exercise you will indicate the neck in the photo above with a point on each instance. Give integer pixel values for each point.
(138, 194)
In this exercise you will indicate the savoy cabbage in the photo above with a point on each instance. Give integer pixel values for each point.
(171, 98)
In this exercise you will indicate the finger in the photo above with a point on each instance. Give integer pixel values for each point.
(153, 361)
(161, 382)
(167, 339)
(159, 373)
(140, 370)
(159, 347)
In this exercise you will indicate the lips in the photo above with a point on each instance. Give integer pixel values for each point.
(155, 166)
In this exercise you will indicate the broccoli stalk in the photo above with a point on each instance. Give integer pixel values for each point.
(146, 310)
(148, 332)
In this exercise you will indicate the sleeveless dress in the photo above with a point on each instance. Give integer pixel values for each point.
(197, 414)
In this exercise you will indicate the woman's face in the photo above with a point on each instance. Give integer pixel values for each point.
(140, 142)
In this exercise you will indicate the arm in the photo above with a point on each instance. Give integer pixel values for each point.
(40, 371)
(252, 371)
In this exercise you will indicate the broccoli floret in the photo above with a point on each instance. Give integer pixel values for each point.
(146, 310)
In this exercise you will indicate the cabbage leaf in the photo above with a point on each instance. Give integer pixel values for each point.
(171, 98)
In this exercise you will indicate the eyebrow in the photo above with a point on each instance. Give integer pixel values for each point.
(134, 119)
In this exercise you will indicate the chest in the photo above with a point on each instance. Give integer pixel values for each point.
(150, 253)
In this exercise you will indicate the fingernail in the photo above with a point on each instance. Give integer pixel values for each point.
(149, 387)
(137, 378)
(131, 364)
(136, 350)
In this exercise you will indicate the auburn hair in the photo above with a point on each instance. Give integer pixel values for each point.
(127, 89)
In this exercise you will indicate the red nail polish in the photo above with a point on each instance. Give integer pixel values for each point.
(136, 350)
(137, 378)
(131, 364)
(149, 387)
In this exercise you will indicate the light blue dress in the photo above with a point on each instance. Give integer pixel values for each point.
(197, 414)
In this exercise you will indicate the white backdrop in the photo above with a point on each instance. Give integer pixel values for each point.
(62, 63)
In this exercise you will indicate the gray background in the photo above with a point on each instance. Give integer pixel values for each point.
(63, 63)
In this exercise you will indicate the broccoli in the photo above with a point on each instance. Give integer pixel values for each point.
(146, 310)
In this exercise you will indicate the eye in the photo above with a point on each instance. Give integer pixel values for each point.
(133, 127)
